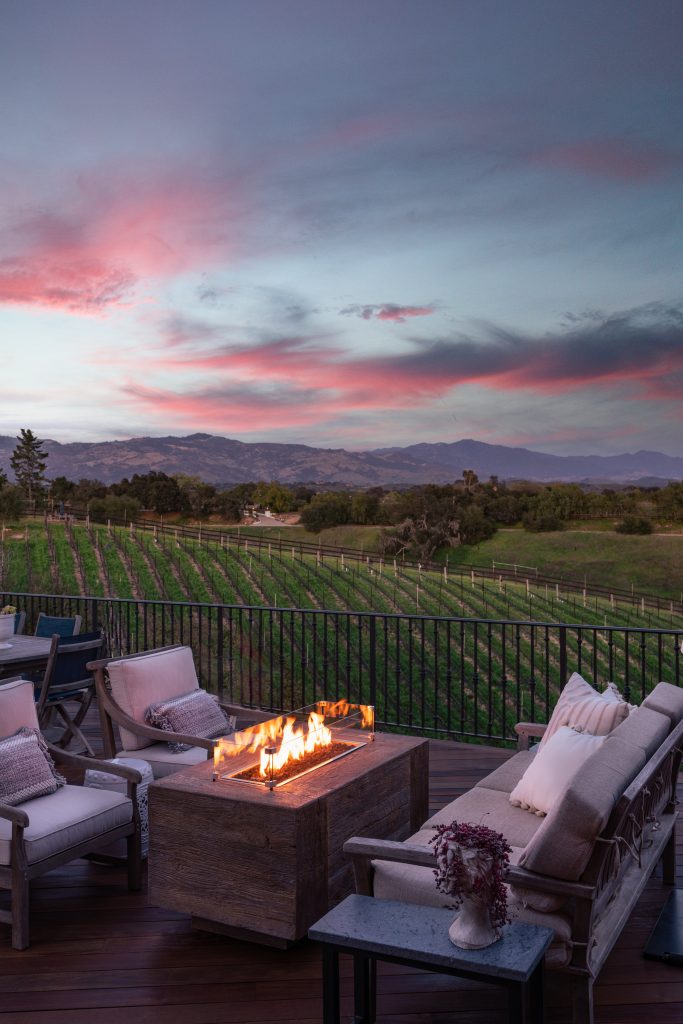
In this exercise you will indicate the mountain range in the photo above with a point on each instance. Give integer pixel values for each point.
(221, 460)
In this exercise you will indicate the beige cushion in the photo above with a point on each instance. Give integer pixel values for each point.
(138, 682)
(72, 815)
(490, 807)
(163, 761)
(581, 707)
(666, 699)
(506, 777)
(645, 728)
(17, 707)
(552, 770)
(562, 846)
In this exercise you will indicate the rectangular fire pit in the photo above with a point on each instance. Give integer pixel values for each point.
(264, 864)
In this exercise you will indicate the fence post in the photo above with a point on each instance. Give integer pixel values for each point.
(220, 680)
(563, 656)
(373, 661)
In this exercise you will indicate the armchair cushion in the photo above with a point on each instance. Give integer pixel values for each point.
(156, 676)
(26, 768)
(72, 815)
(193, 714)
(17, 707)
(580, 706)
(163, 761)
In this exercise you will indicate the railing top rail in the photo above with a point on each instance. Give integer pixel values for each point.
(345, 613)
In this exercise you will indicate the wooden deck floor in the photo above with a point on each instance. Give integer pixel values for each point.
(100, 953)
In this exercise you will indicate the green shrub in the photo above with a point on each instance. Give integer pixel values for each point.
(634, 524)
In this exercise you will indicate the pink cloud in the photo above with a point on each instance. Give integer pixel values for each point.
(111, 234)
(618, 159)
(387, 311)
(307, 380)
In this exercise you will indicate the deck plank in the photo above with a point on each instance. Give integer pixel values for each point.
(98, 950)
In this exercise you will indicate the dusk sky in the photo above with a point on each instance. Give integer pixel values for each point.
(345, 224)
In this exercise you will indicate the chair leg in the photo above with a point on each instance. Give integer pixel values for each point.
(134, 861)
(20, 904)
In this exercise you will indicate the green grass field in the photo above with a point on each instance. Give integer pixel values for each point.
(651, 564)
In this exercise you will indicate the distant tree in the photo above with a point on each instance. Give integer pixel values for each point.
(11, 502)
(365, 508)
(3, 479)
(62, 489)
(117, 507)
(325, 510)
(28, 462)
(469, 479)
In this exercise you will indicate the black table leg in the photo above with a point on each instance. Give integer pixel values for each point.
(330, 985)
(536, 994)
(364, 984)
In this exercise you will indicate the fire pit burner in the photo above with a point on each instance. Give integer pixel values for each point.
(295, 769)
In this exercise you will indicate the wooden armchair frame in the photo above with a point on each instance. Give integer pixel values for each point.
(17, 875)
(112, 714)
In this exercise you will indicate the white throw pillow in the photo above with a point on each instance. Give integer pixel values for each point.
(553, 768)
(581, 707)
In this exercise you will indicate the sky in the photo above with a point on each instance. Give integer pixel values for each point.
(345, 224)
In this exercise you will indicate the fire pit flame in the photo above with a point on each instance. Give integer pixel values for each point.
(287, 739)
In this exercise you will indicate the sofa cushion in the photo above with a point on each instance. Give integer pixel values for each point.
(666, 699)
(138, 682)
(26, 768)
(192, 714)
(645, 728)
(581, 707)
(490, 807)
(163, 761)
(551, 772)
(562, 846)
(72, 815)
(506, 777)
(17, 707)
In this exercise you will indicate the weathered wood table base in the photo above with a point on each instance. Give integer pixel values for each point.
(264, 865)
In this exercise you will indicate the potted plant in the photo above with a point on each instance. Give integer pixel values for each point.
(471, 863)
(7, 622)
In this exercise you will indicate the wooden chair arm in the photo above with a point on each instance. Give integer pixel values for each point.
(542, 883)
(15, 815)
(124, 771)
(387, 849)
(148, 731)
(251, 715)
(527, 731)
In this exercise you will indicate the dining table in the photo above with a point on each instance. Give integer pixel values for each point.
(20, 653)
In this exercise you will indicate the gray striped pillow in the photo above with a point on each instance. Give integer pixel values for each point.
(26, 768)
(192, 714)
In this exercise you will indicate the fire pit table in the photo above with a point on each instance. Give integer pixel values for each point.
(263, 863)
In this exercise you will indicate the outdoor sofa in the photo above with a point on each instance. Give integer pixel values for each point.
(579, 869)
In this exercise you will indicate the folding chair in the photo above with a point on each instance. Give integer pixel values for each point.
(66, 680)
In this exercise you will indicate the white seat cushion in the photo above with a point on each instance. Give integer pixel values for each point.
(163, 761)
(138, 682)
(64, 819)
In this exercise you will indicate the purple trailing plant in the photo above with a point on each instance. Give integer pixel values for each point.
(457, 879)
